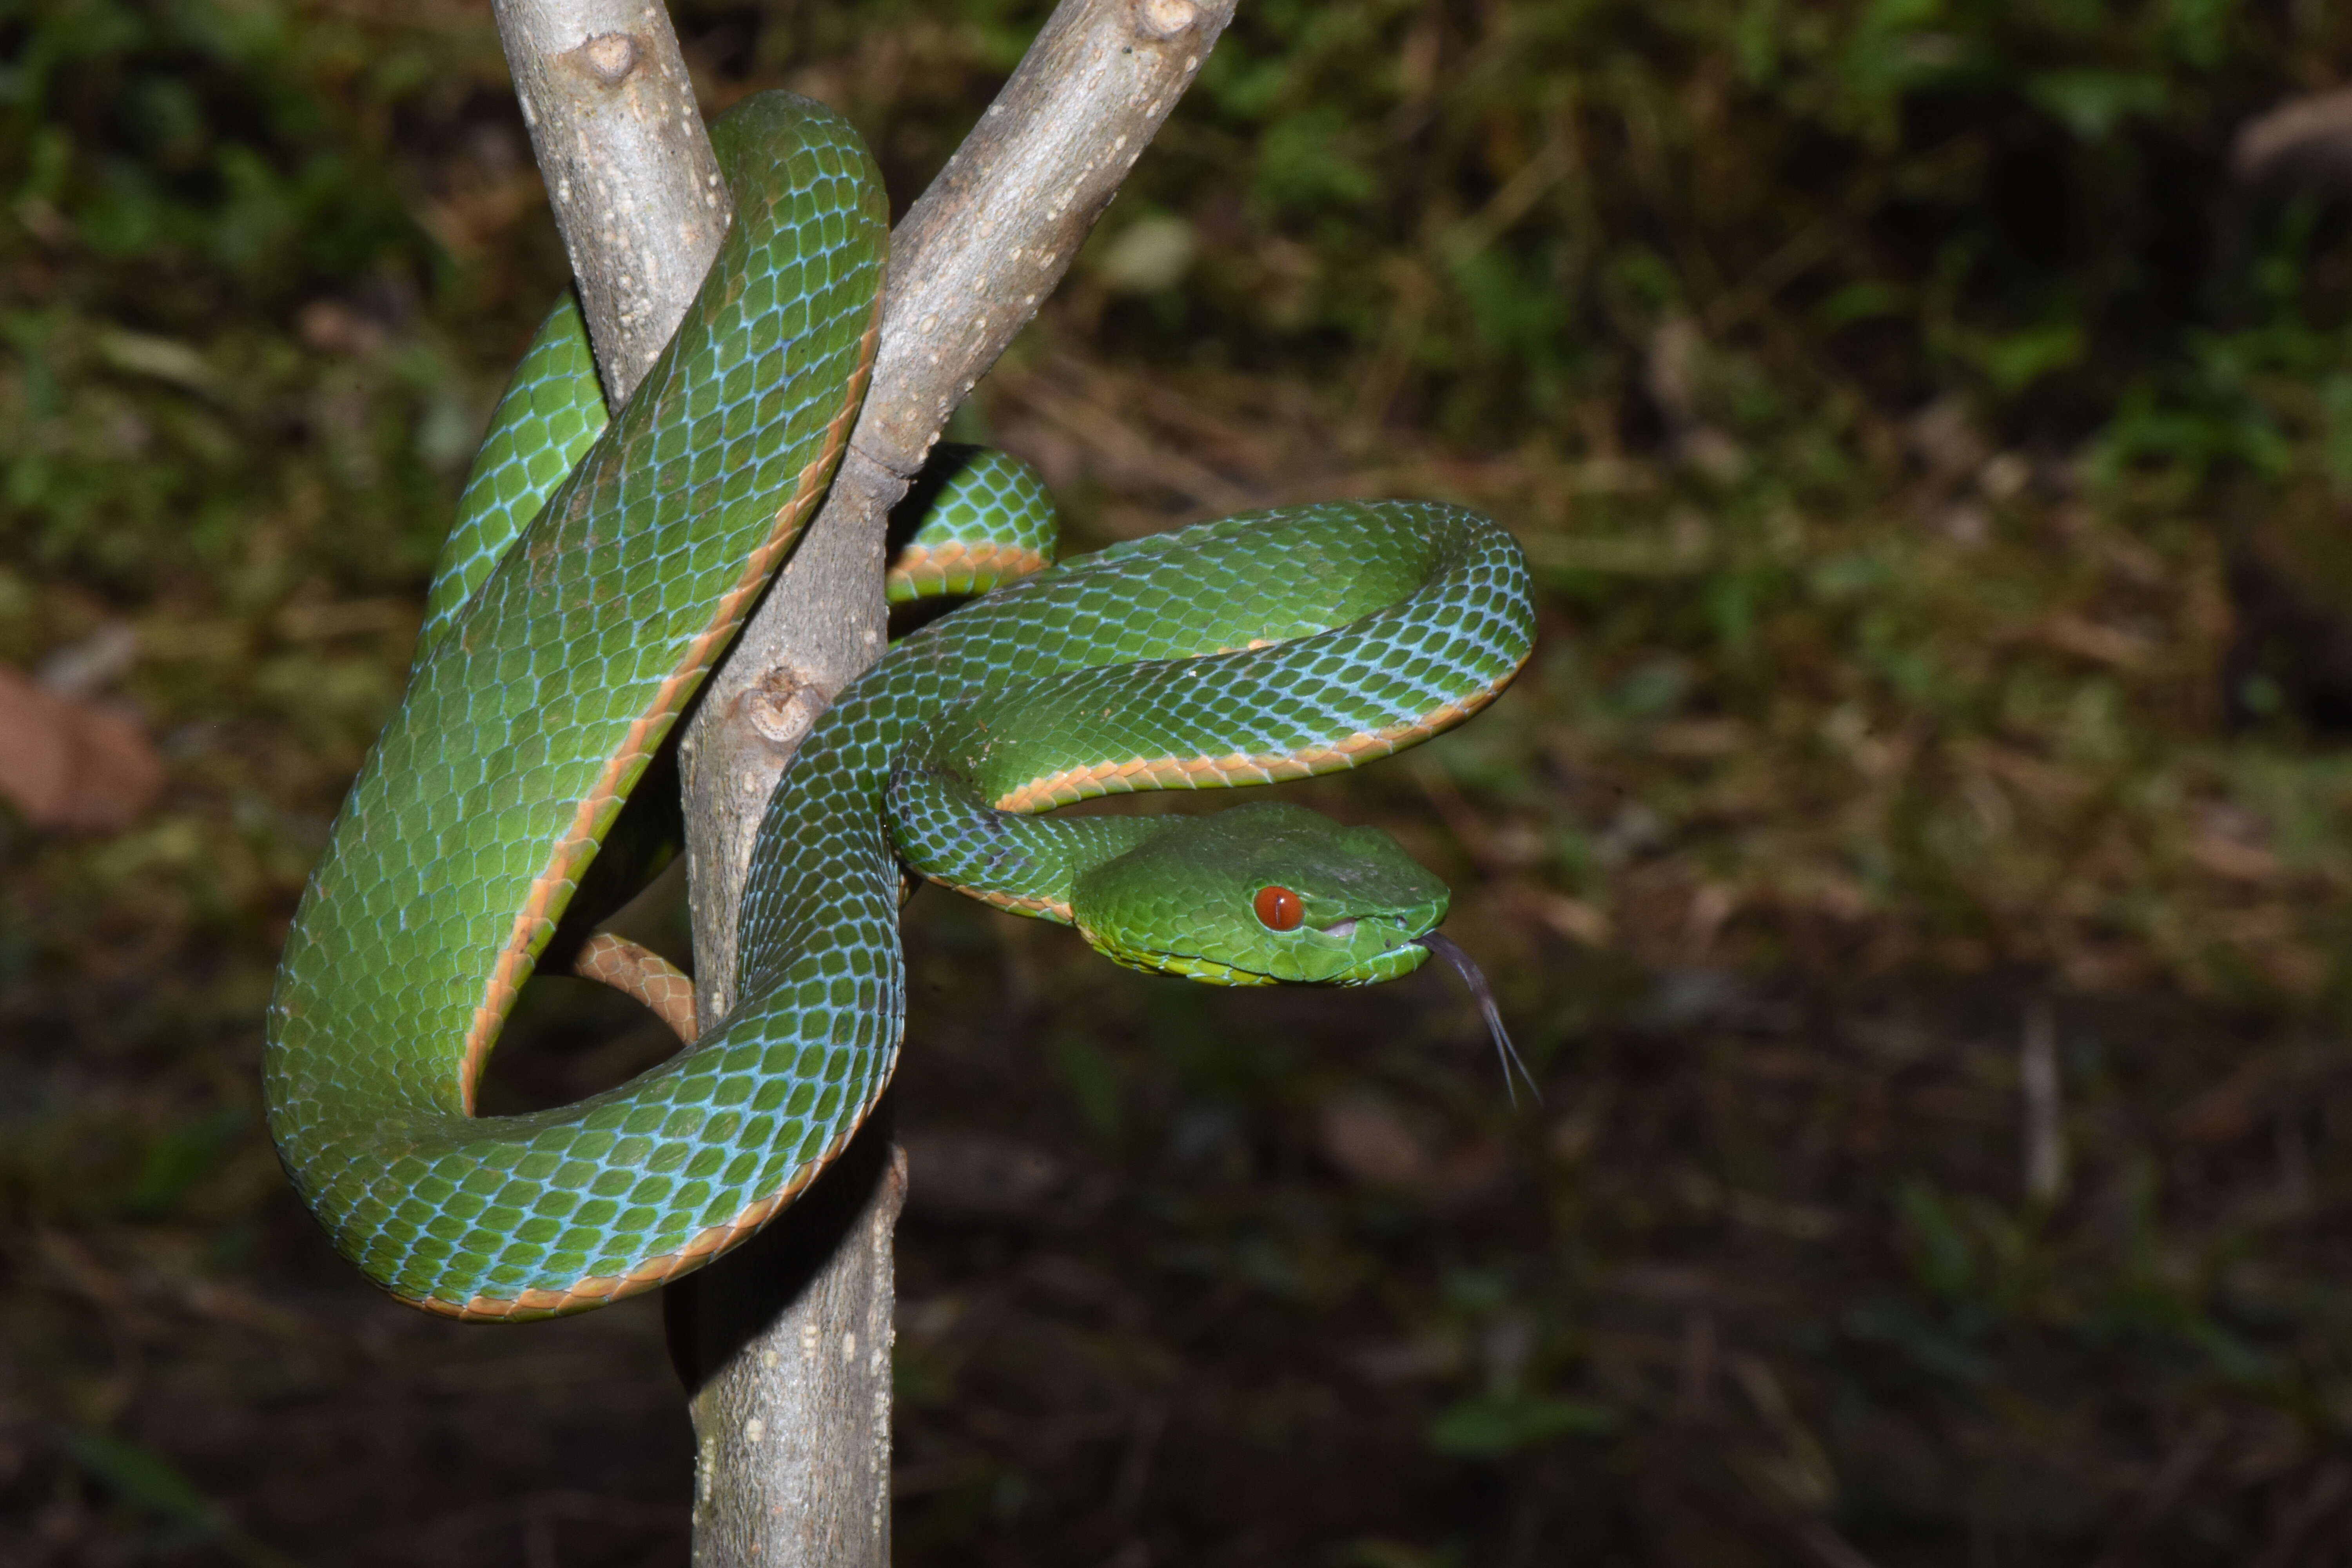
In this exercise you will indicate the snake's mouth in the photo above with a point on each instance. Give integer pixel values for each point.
(1367, 949)
(1357, 949)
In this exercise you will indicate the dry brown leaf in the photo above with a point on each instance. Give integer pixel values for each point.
(1369, 1142)
(2305, 141)
(1573, 917)
(69, 765)
(2100, 644)
(2239, 862)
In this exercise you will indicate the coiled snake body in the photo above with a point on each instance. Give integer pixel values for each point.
(596, 574)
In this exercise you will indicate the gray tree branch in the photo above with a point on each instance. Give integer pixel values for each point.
(787, 1342)
(628, 166)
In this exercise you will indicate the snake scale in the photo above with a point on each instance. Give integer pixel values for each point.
(597, 570)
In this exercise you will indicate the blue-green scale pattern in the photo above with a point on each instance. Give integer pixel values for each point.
(991, 510)
(551, 413)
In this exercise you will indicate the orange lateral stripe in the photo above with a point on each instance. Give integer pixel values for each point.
(1051, 909)
(553, 887)
(923, 566)
(597, 1290)
(1178, 773)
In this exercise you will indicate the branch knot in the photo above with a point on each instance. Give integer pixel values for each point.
(784, 706)
(610, 57)
(1164, 20)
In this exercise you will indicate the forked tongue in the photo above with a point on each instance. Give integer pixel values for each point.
(1484, 994)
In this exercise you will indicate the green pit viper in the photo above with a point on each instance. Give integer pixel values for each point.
(596, 572)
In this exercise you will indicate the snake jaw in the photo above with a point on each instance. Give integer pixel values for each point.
(1359, 950)
(1370, 948)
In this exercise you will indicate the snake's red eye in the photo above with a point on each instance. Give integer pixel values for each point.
(1279, 909)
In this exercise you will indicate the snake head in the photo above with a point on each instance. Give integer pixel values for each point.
(1262, 894)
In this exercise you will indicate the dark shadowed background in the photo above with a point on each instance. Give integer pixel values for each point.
(1914, 862)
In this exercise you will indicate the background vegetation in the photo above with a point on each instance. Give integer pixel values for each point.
(1915, 862)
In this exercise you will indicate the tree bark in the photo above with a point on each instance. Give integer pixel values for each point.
(628, 167)
(785, 1344)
